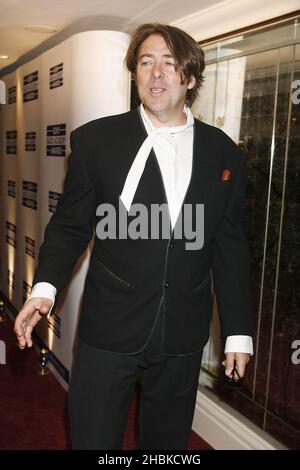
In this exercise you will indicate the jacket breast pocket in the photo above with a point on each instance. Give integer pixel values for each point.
(98, 271)
(223, 184)
(204, 285)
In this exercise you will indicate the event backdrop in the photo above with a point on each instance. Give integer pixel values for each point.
(81, 79)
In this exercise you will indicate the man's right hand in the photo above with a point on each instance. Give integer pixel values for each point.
(32, 311)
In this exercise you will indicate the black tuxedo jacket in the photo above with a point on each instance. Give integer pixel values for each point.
(128, 281)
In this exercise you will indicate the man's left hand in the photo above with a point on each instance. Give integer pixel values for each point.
(238, 360)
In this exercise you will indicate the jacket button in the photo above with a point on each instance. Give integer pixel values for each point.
(171, 245)
(166, 284)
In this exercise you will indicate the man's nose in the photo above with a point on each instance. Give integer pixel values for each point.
(157, 72)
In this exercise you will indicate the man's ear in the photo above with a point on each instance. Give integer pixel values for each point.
(191, 83)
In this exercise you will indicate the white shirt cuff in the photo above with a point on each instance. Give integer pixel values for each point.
(43, 289)
(239, 343)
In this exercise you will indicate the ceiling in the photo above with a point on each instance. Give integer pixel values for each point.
(72, 16)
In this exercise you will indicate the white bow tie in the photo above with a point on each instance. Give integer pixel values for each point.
(139, 162)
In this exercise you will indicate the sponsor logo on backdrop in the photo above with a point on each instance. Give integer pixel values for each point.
(31, 86)
(11, 279)
(11, 234)
(11, 142)
(54, 324)
(11, 188)
(56, 76)
(30, 194)
(26, 291)
(30, 246)
(30, 141)
(12, 94)
(56, 140)
(53, 200)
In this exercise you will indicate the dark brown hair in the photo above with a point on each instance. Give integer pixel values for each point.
(188, 55)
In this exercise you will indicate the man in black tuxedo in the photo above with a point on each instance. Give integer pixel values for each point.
(147, 299)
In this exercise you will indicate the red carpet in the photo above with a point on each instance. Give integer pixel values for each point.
(34, 409)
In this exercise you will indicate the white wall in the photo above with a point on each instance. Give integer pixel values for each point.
(233, 14)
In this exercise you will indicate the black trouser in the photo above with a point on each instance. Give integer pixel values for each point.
(103, 385)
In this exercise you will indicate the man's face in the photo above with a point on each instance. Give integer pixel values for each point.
(159, 84)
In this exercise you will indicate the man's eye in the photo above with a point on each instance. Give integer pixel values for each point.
(170, 63)
(145, 62)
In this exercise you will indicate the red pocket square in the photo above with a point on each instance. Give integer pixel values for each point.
(226, 175)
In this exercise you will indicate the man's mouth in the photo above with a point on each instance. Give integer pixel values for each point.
(157, 90)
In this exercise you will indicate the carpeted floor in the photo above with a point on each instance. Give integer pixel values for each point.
(34, 408)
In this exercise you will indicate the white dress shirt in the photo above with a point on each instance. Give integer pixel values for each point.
(174, 152)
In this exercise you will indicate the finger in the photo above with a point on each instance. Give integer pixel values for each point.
(229, 363)
(22, 318)
(34, 318)
(21, 338)
(18, 328)
(28, 336)
(29, 325)
(25, 323)
(241, 370)
(242, 360)
(21, 342)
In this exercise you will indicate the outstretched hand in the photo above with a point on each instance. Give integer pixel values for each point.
(31, 312)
